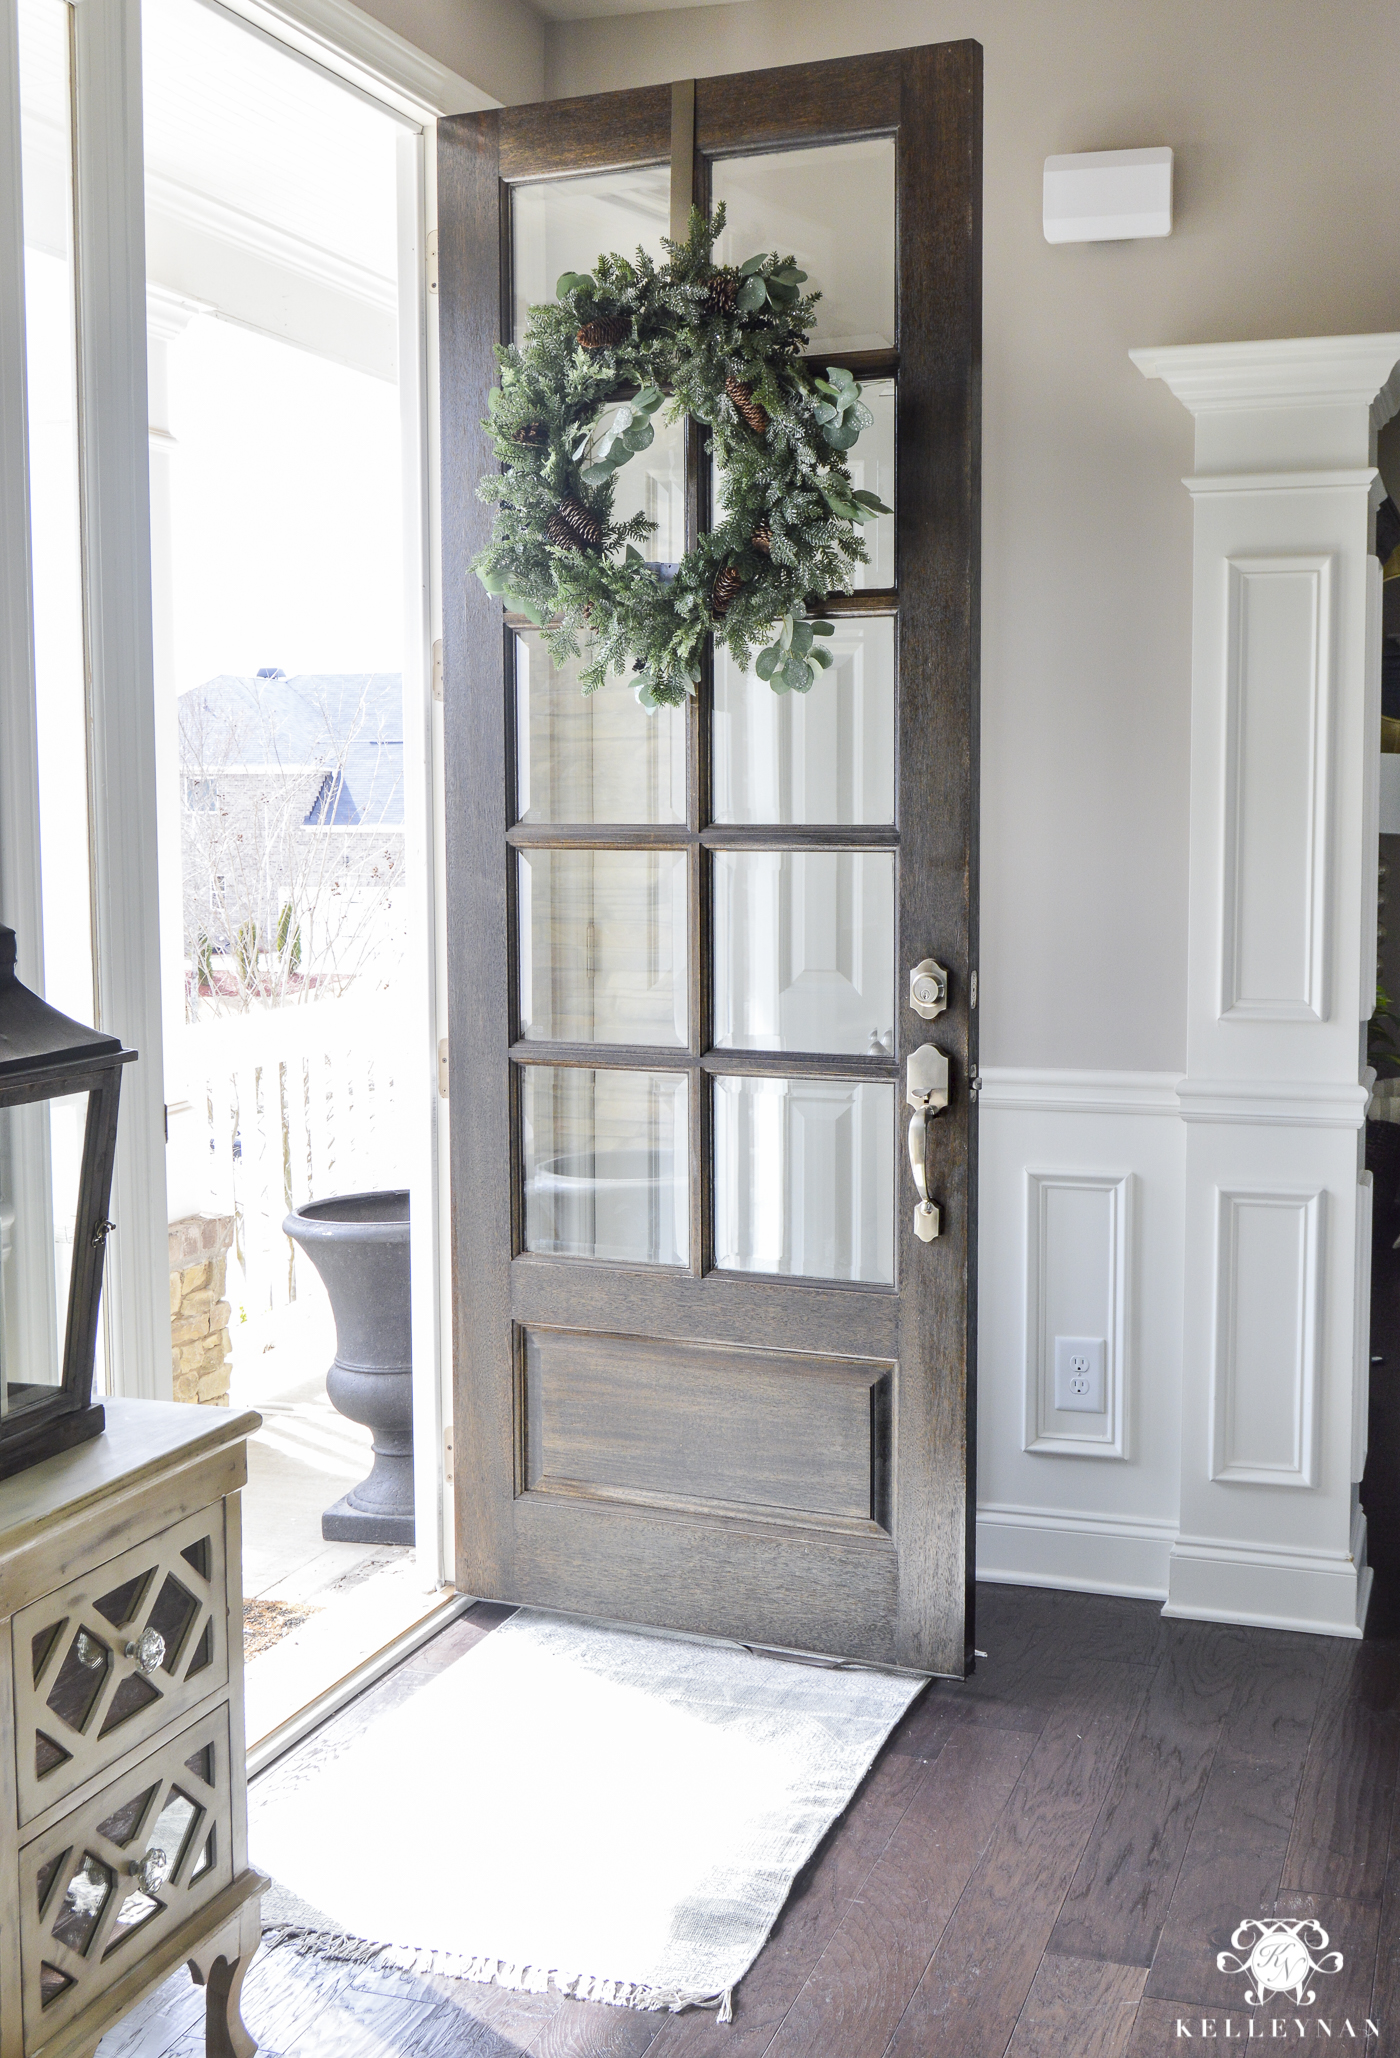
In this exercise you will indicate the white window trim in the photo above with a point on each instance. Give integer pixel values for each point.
(114, 475)
(114, 467)
(21, 904)
(360, 51)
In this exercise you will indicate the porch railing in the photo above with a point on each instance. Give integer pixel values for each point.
(295, 1104)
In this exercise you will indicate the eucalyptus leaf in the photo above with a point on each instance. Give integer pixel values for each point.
(817, 656)
(597, 474)
(766, 663)
(801, 638)
(648, 400)
(751, 265)
(751, 296)
(823, 629)
(840, 437)
(798, 677)
(640, 436)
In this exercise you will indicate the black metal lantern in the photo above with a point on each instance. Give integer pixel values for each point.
(59, 1085)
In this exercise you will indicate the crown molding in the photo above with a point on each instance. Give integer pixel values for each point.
(1294, 371)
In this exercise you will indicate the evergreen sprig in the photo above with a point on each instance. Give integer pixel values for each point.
(681, 336)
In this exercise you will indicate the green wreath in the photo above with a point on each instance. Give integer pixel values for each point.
(719, 344)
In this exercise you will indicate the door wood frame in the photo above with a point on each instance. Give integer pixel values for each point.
(930, 99)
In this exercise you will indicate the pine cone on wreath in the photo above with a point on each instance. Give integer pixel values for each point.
(533, 435)
(573, 527)
(750, 410)
(762, 540)
(721, 292)
(727, 583)
(603, 331)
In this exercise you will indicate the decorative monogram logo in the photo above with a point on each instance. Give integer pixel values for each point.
(1281, 1959)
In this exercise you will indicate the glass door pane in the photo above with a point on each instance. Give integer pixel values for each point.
(832, 208)
(591, 757)
(804, 1178)
(562, 225)
(606, 1164)
(826, 756)
(603, 946)
(804, 950)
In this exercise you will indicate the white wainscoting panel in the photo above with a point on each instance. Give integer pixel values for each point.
(1278, 715)
(1079, 1265)
(1268, 1311)
(1106, 1152)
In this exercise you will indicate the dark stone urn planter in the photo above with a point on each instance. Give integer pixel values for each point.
(358, 1242)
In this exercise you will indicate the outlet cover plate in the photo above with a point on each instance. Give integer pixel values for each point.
(1079, 1374)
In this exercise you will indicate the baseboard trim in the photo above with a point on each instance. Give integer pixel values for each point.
(1108, 1554)
(1313, 1592)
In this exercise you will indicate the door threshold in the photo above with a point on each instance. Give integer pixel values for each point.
(278, 1741)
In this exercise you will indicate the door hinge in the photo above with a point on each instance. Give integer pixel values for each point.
(442, 1067)
(447, 1455)
(974, 1084)
(432, 248)
(972, 995)
(437, 669)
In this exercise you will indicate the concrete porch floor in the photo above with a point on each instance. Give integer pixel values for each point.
(344, 1601)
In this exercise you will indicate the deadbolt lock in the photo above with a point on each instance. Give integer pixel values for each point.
(928, 989)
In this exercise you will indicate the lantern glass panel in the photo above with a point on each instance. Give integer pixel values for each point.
(41, 1157)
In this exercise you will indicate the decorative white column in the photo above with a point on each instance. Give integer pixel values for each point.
(1281, 973)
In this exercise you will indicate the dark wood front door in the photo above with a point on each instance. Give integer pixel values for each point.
(708, 1376)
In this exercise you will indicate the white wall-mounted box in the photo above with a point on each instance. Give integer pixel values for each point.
(1100, 196)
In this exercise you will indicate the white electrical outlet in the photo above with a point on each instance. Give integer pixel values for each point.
(1079, 1362)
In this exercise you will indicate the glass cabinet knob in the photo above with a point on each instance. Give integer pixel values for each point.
(151, 1870)
(148, 1651)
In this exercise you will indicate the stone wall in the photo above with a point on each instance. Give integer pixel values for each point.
(199, 1315)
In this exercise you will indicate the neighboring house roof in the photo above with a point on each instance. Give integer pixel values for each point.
(351, 721)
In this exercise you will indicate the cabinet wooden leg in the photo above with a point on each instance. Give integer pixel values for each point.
(219, 1967)
(225, 2033)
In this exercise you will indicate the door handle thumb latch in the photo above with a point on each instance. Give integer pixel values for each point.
(926, 1091)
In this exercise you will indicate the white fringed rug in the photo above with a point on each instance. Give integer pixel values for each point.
(616, 1814)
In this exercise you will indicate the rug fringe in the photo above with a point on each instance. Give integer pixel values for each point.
(484, 1971)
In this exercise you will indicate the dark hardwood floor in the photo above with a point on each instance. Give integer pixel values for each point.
(1046, 1859)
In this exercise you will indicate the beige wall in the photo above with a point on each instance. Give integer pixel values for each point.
(1285, 118)
(498, 45)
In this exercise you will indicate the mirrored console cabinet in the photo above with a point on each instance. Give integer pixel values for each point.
(123, 1806)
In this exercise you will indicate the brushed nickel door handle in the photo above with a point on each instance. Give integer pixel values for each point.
(926, 1092)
